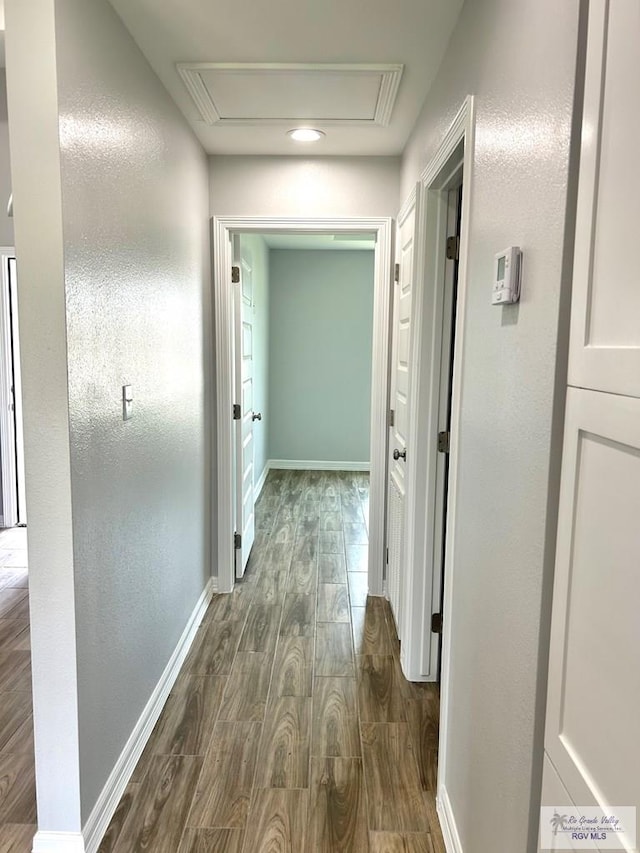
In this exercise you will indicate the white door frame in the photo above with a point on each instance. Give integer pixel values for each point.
(419, 652)
(7, 417)
(430, 259)
(223, 228)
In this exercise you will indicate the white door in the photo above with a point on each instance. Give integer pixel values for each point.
(244, 414)
(592, 735)
(11, 440)
(399, 439)
(17, 390)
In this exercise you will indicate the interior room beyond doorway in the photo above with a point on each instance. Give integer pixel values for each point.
(303, 332)
(312, 344)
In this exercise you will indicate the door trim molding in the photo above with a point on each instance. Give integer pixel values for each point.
(222, 229)
(450, 833)
(462, 130)
(8, 475)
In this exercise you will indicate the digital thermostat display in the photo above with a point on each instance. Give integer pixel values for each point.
(506, 277)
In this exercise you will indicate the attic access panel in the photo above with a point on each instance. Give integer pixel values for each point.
(268, 93)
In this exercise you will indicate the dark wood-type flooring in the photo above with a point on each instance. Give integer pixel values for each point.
(291, 728)
(17, 775)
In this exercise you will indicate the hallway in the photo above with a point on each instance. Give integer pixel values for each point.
(291, 727)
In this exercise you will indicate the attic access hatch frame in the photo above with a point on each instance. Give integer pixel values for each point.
(381, 105)
(223, 229)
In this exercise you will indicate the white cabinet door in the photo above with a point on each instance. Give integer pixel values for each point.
(245, 516)
(593, 721)
(605, 315)
(592, 734)
(400, 382)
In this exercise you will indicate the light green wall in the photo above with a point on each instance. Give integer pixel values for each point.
(255, 252)
(321, 329)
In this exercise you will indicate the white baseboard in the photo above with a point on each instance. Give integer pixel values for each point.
(105, 807)
(450, 834)
(315, 465)
(58, 842)
(258, 487)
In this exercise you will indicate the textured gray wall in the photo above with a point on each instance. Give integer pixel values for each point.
(134, 189)
(304, 186)
(519, 60)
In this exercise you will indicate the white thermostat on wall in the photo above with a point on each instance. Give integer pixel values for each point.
(507, 269)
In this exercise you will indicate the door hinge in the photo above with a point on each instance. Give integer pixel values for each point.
(453, 248)
(237, 541)
(392, 418)
(443, 442)
(436, 623)
(396, 273)
(235, 274)
(237, 413)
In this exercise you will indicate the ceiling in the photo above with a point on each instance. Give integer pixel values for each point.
(367, 66)
(332, 242)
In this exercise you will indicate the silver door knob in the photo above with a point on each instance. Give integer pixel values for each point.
(398, 455)
(256, 416)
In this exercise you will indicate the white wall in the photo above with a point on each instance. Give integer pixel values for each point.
(256, 252)
(6, 222)
(105, 250)
(301, 186)
(519, 59)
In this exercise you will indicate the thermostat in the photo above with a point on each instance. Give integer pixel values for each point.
(507, 269)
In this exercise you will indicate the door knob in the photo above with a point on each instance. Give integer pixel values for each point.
(398, 455)
(256, 416)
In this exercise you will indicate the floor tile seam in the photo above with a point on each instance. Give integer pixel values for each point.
(267, 702)
(367, 793)
(243, 826)
(219, 720)
(420, 789)
(220, 706)
(313, 681)
(414, 746)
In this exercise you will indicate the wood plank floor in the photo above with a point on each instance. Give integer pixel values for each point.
(291, 728)
(17, 774)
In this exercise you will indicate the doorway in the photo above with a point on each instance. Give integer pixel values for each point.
(12, 479)
(230, 502)
(448, 349)
(303, 345)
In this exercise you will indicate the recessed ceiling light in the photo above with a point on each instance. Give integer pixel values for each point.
(305, 134)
